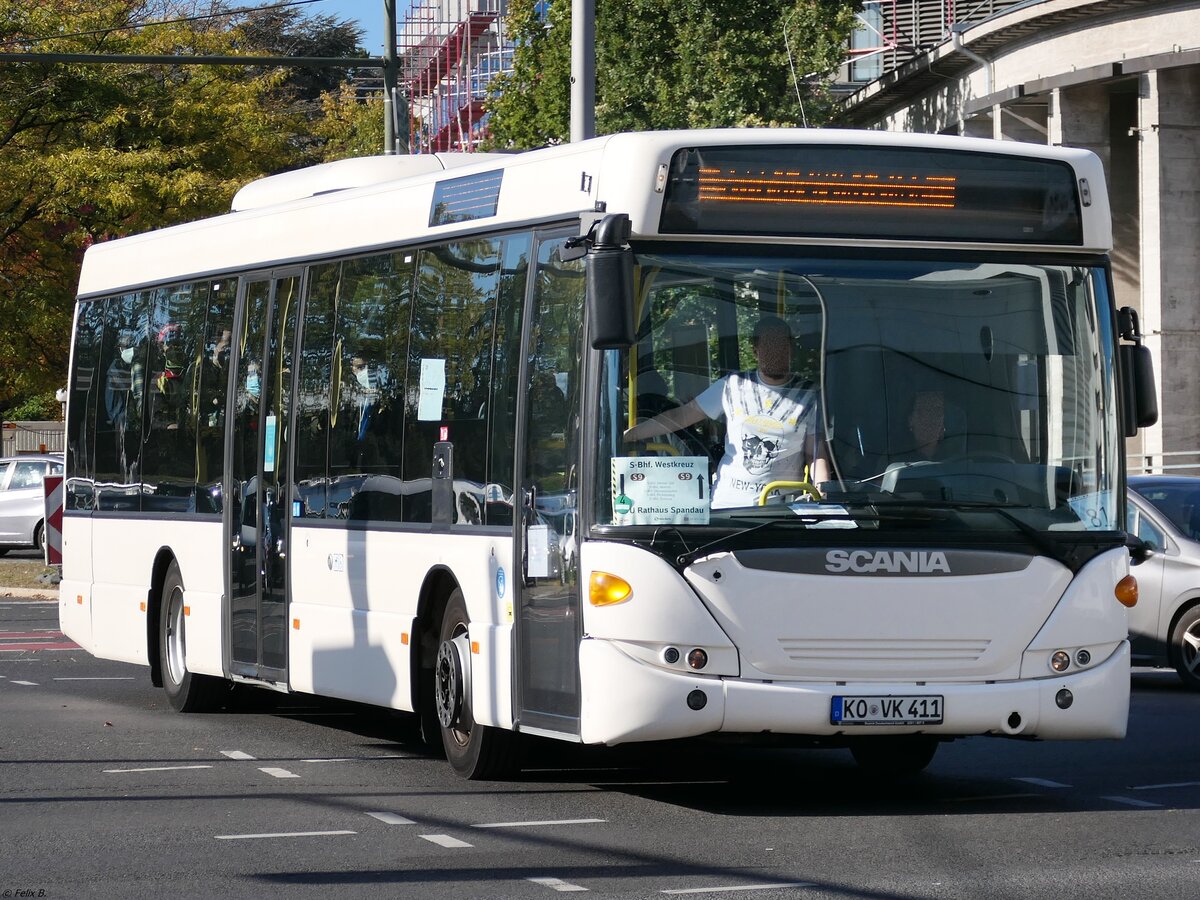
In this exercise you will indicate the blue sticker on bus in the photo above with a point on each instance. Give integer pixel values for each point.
(500, 583)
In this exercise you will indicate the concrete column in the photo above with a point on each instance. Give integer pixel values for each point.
(1169, 131)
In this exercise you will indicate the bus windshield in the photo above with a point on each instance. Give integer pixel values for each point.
(839, 392)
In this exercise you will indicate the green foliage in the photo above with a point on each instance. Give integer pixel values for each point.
(348, 126)
(38, 408)
(686, 64)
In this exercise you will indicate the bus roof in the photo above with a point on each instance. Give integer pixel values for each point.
(372, 203)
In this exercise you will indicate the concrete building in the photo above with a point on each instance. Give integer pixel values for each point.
(1119, 77)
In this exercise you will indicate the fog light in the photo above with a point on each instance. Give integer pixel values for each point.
(697, 700)
(671, 655)
(697, 659)
(1064, 699)
(1083, 657)
(1060, 661)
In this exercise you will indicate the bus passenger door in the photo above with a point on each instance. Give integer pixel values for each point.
(258, 491)
(549, 625)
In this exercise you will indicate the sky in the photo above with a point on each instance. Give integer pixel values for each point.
(367, 13)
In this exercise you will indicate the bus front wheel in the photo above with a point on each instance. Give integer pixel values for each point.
(186, 691)
(474, 751)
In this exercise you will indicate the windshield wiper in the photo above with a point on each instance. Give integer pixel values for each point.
(1045, 545)
(732, 540)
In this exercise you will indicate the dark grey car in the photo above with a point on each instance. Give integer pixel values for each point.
(22, 502)
(1164, 626)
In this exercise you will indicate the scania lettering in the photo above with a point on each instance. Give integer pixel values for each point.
(363, 437)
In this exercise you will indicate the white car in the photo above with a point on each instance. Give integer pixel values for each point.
(22, 502)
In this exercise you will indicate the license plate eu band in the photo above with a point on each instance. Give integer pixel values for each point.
(889, 710)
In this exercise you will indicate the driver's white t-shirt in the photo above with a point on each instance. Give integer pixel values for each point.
(765, 435)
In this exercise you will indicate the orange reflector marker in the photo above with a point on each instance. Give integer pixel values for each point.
(1127, 591)
(404, 638)
(187, 610)
(142, 606)
(295, 624)
(475, 647)
(605, 589)
(79, 599)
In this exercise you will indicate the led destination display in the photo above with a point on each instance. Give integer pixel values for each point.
(872, 192)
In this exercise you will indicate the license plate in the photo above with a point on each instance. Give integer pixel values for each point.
(905, 710)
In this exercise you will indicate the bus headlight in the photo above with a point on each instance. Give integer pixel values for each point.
(1060, 661)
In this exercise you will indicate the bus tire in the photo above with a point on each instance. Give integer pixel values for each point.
(894, 756)
(1185, 648)
(474, 751)
(186, 691)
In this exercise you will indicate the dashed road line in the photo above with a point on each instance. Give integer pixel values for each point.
(444, 840)
(1159, 787)
(739, 887)
(276, 772)
(557, 884)
(94, 678)
(1043, 782)
(1133, 801)
(279, 834)
(388, 818)
(543, 822)
(154, 769)
(236, 754)
(26, 683)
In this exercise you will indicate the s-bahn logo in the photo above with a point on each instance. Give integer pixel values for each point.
(887, 562)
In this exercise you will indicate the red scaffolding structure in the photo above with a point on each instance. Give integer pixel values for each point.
(450, 50)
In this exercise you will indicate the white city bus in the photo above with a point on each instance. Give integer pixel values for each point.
(363, 437)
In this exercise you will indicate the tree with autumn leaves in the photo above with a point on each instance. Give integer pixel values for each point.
(89, 152)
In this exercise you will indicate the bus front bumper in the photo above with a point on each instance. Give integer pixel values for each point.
(626, 700)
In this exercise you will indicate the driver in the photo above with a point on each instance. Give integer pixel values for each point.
(772, 421)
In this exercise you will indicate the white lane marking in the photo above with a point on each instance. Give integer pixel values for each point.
(95, 678)
(388, 818)
(444, 840)
(236, 754)
(557, 884)
(544, 822)
(337, 759)
(1132, 801)
(276, 772)
(739, 887)
(1156, 787)
(1043, 782)
(154, 769)
(279, 834)
(27, 683)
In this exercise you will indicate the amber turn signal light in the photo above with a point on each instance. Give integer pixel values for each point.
(1127, 591)
(605, 589)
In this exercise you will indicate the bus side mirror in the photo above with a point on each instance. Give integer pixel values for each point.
(1137, 376)
(609, 268)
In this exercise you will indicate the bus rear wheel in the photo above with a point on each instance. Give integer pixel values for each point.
(186, 691)
(894, 756)
(473, 751)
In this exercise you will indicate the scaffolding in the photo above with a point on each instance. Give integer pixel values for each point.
(449, 53)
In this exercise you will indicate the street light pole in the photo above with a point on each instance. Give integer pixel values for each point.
(583, 70)
(389, 76)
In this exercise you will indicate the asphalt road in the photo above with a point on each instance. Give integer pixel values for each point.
(106, 792)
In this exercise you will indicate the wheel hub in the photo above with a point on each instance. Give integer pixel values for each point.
(448, 684)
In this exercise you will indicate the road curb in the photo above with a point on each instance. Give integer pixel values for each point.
(28, 594)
